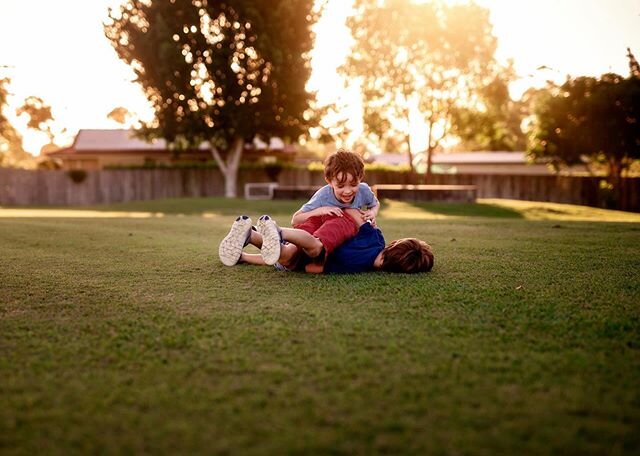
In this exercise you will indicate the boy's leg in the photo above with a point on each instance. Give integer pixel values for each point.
(271, 239)
(332, 230)
(288, 256)
(276, 248)
(252, 258)
(231, 246)
(311, 224)
(310, 244)
(336, 230)
(255, 238)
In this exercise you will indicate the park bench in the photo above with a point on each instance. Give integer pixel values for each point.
(259, 190)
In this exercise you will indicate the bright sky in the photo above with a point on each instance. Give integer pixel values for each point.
(57, 50)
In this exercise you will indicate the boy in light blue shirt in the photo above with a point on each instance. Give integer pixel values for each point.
(343, 172)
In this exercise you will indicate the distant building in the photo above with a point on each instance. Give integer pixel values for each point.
(515, 163)
(97, 149)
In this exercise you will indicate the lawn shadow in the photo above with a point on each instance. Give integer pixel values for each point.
(282, 210)
(413, 209)
(206, 207)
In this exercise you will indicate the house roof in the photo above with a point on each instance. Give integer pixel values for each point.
(459, 158)
(480, 158)
(123, 141)
(103, 140)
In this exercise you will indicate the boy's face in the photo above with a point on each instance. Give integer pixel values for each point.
(344, 187)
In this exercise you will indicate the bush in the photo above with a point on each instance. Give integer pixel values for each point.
(77, 175)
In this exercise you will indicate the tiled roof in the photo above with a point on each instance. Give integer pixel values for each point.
(459, 158)
(124, 140)
(480, 157)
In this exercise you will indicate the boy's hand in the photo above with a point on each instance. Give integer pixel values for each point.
(369, 216)
(328, 210)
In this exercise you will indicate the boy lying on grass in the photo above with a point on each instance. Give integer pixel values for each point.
(342, 213)
(293, 249)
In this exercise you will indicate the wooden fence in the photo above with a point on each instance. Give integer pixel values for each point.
(61, 188)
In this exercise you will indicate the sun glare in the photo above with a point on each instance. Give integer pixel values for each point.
(72, 67)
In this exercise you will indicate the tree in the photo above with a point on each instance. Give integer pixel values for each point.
(634, 66)
(418, 58)
(222, 73)
(11, 149)
(122, 116)
(39, 114)
(495, 124)
(4, 95)
(593, 118)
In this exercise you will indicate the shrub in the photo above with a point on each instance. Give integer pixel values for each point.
(77, 175)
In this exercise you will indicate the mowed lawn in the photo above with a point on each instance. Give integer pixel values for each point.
(122, 333)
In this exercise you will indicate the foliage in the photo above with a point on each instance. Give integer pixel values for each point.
(39, 114)
(39, 118)
(634, 66)
(123, 116)
(12, 153)
(273, 169)
(403, 169)
(496, 123)
(77, 175)
(220, 72)
(427, 57)
(596, 118)
(4, 94)
(125, 335)
(210, 164)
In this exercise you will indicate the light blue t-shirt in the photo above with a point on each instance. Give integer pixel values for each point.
(325, 197)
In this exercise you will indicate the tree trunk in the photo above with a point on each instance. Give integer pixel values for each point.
(615, 179)
(427, 174)
(229, 168)
(409, 153)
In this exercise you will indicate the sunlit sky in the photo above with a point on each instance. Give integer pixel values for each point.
(57, 50)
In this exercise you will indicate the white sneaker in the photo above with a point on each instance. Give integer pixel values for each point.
(231, 246)
(271, 239)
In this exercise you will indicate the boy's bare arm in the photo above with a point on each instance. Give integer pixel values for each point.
(356, 215)
(311, 245)
(301, 217)
(314, 268)
(371, 213)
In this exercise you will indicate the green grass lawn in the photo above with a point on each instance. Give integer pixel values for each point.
(121, 332)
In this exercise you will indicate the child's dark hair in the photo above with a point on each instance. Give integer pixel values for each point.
(408, 255)
(341, 163)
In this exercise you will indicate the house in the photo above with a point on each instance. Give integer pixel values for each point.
(514, 163)
(97, 149)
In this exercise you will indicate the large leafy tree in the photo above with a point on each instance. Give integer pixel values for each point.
(593, 118)
(219, 72)
(495, 122)
(418, 60)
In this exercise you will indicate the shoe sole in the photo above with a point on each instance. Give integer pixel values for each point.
(270, 241)
(230, 248)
